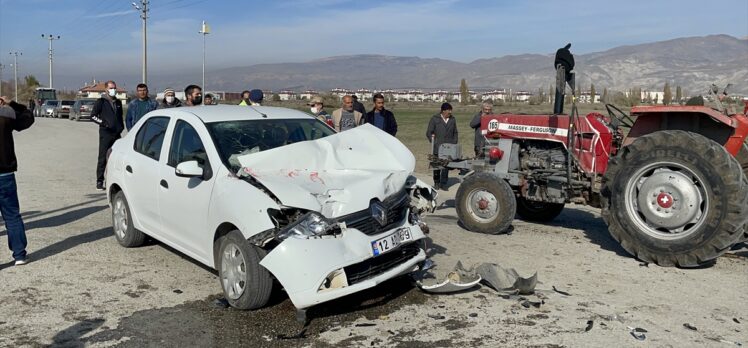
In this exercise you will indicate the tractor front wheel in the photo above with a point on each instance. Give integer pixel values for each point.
(485, 203)
(675, 198)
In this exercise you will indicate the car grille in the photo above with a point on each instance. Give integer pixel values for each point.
(397, 208)
(375, 266)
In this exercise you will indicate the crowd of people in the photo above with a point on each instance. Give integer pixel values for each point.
(107, 113)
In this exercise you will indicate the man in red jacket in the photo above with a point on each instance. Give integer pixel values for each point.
(13, 117)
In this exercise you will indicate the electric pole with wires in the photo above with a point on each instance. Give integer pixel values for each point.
(143, 8)
(204, 30)
(51, 38)
(15, 71)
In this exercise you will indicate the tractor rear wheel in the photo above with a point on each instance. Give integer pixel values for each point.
(485, 203)
(675, 198)
(743, 160)
(538, 211)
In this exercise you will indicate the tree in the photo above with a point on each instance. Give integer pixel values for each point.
(592, 93)
(678, 95)
(605, 95)
(276, 97)
(667, 95)
(464, 93)
(657, 98)
(551, 93)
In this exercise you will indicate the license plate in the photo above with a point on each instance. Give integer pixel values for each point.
(391, 242)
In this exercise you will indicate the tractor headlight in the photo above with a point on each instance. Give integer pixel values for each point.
(309, 225)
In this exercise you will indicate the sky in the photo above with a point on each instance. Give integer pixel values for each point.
(104, 37)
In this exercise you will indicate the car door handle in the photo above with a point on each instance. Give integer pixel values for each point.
(164, 184)
(128, 169)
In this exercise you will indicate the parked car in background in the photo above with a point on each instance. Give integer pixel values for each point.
(63, 109)
(266, 192)
(82, 109)
(49, 108)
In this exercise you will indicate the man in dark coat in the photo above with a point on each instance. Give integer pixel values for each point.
(564, 59)
(480, 140)
(442, 129)
(357, 105)
(13, 117)
(107, 113)
(381, 117)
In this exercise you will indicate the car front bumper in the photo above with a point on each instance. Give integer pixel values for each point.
(313, 271)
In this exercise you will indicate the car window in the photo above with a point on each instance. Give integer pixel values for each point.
(186, 146)
(68, 102)
(236, 138)
(150, 137)
(87, 102)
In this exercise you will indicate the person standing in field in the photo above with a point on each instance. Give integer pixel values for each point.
(381, 117)
(442, 129)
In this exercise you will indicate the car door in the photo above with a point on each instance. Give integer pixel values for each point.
(184, 201)
(142, 173)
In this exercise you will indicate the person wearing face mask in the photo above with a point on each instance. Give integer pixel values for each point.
(170, 100)
(193, 95)
(317, 107)
(107, 113)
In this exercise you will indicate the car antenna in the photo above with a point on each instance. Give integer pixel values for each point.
(258, 111)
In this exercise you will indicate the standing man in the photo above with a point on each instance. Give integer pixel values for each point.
(245, 98)
(442, 130)
(140, 106)
(13, 117)
(193, 95)
(380, 117)
(486, 109)
(357, 105)
(208, 99)
(170, 100)
(346, 117)
(317, 107)
(107, 113)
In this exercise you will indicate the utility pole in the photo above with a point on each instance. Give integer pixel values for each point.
(143, 8)
(15, 71)
(205, 30)
(51, 38)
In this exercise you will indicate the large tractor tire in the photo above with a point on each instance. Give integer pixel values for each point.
(675, 198)
(485, 203)
(538, 211)
(743, 160)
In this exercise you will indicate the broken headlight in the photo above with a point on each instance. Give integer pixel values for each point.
(311, 224)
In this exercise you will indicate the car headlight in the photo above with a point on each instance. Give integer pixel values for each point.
(311, 224)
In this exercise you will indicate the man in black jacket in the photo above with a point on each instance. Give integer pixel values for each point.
(380, 117)
(480, 141)
(13, 117)
(442, 130)
(107, 113)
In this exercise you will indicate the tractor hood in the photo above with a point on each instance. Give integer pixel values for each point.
(336, 175)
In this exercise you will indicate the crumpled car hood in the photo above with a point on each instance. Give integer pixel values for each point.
(336, 175)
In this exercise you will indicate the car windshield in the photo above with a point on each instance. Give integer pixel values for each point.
(45, 94)
(68, 102)
(51, 102)
(87, 102)
(236, 138)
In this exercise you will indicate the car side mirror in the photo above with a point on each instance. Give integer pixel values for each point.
(188, 169)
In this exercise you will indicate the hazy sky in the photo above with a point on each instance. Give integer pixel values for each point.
(99, 37)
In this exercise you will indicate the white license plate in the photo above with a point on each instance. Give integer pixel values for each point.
(383, 245)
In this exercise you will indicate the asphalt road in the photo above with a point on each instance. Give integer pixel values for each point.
(82, 289)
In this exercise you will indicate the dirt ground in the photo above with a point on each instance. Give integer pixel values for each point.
(82, 289)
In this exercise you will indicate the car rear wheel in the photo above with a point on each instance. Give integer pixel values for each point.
(124, 231)
(675, 198)
(245, 284)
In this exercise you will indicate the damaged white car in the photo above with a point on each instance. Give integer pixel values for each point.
(262, 192)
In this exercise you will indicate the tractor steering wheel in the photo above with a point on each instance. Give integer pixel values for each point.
(619, 115)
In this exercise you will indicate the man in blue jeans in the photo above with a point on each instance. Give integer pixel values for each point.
(13, 117)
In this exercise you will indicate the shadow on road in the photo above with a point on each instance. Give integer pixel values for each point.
(69, 243)
(59, 220)
(71, 337)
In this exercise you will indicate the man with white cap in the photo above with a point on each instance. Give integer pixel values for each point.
(317, 107)
(170, 100)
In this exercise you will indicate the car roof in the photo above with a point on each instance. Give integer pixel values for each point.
(221, 113)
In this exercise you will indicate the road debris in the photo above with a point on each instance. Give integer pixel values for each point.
(502, 279)
(736, 320)
(457, 280)
(221, 303)
(638, 333)
(590, 323)
(560, 292)
(690, 327)
(365, 324)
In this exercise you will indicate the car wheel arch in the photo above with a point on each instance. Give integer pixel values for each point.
(222, 230)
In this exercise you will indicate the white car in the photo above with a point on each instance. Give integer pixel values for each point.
(262, 192)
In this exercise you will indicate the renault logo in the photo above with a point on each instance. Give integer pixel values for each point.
(379, 213)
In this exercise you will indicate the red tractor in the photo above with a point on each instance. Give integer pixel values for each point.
(673, 190)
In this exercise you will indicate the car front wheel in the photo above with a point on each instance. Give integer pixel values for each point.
(246, 284)
(124, 231)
